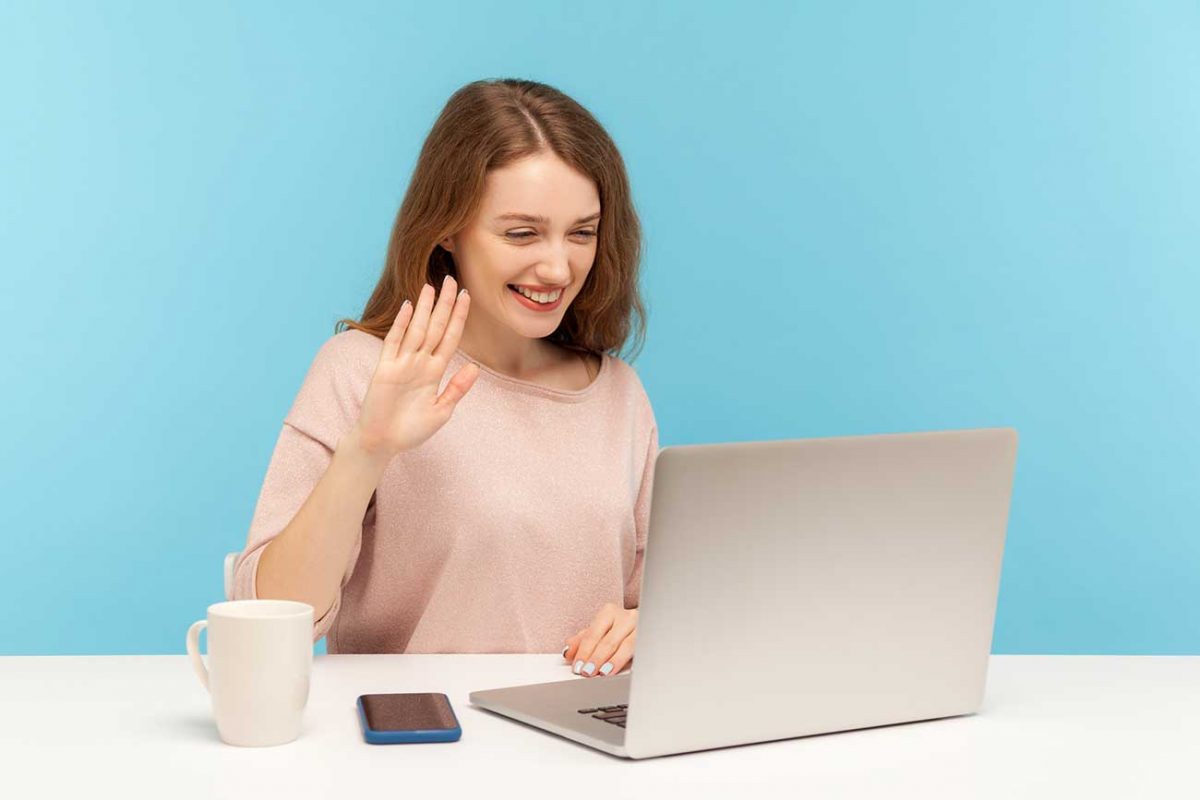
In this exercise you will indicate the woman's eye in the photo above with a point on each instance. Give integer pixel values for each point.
(527, 234)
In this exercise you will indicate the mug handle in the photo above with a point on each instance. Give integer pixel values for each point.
(193, 648)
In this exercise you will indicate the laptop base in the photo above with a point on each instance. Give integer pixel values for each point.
(555, 707)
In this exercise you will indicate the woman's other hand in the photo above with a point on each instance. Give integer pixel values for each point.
(402, 407)
(605, 646)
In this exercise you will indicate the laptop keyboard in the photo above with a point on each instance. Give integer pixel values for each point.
(614, 714)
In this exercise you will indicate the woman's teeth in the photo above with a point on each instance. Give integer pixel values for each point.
(538, 297)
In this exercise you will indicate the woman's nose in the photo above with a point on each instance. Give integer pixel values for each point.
(557, 271)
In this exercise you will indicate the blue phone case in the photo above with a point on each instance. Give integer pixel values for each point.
(408, 736)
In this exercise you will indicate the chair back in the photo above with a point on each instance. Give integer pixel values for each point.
(230, 560)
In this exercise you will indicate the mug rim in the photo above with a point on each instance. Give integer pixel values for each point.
(287, 609)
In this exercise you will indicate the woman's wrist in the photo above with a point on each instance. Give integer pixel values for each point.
(368, 455)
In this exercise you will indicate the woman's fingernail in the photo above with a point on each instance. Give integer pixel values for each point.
(565, 649)
(589, 668)
(607, 668)
(578, 665)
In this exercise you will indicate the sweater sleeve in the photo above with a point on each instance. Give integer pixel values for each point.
(641, 511)
(326, 406)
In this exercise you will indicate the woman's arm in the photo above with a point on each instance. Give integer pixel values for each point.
(308, 558)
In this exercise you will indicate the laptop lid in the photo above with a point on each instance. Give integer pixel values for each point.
(803, 586)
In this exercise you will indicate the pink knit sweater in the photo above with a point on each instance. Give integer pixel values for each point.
(504, 532)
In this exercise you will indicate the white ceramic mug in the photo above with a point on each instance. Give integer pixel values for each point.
(259, 665)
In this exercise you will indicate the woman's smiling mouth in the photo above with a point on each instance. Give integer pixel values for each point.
(537, 301)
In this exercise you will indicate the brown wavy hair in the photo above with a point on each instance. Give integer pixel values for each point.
(487, 125)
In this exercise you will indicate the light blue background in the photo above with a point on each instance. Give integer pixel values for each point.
(860, 218)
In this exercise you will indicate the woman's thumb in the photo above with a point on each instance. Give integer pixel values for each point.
(459, 385)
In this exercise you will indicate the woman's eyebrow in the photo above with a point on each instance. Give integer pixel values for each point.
(532, 218)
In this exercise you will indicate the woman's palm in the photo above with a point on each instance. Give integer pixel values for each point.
(402, 407)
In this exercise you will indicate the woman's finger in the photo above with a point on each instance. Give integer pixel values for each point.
(593, 634)
(415, 335)
(457, 386)
(622, 627)
(391, 342)
(441, 312)
(572, 644)
(617, 661)
(454, 328)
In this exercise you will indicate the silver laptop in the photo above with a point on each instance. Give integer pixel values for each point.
(799, 587)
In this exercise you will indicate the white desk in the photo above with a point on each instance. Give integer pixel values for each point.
(1051, 726)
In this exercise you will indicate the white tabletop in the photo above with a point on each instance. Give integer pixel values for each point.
(140, 726)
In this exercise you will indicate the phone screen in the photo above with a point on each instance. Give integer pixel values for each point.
(408, 717)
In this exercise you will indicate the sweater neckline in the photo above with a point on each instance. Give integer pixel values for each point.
(529, 387)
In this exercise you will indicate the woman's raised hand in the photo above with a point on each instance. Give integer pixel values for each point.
(402, 407)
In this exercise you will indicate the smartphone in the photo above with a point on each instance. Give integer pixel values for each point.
(407, 718)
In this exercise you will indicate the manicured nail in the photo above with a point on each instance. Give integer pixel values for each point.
(589, 668)
(565, 649)
(607, 668)
(577, 666)
(406, 302)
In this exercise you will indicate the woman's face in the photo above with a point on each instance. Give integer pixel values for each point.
(548, 247)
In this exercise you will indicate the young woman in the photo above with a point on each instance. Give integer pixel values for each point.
(454, 482)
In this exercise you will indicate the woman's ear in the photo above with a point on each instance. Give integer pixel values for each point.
(447, 244)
